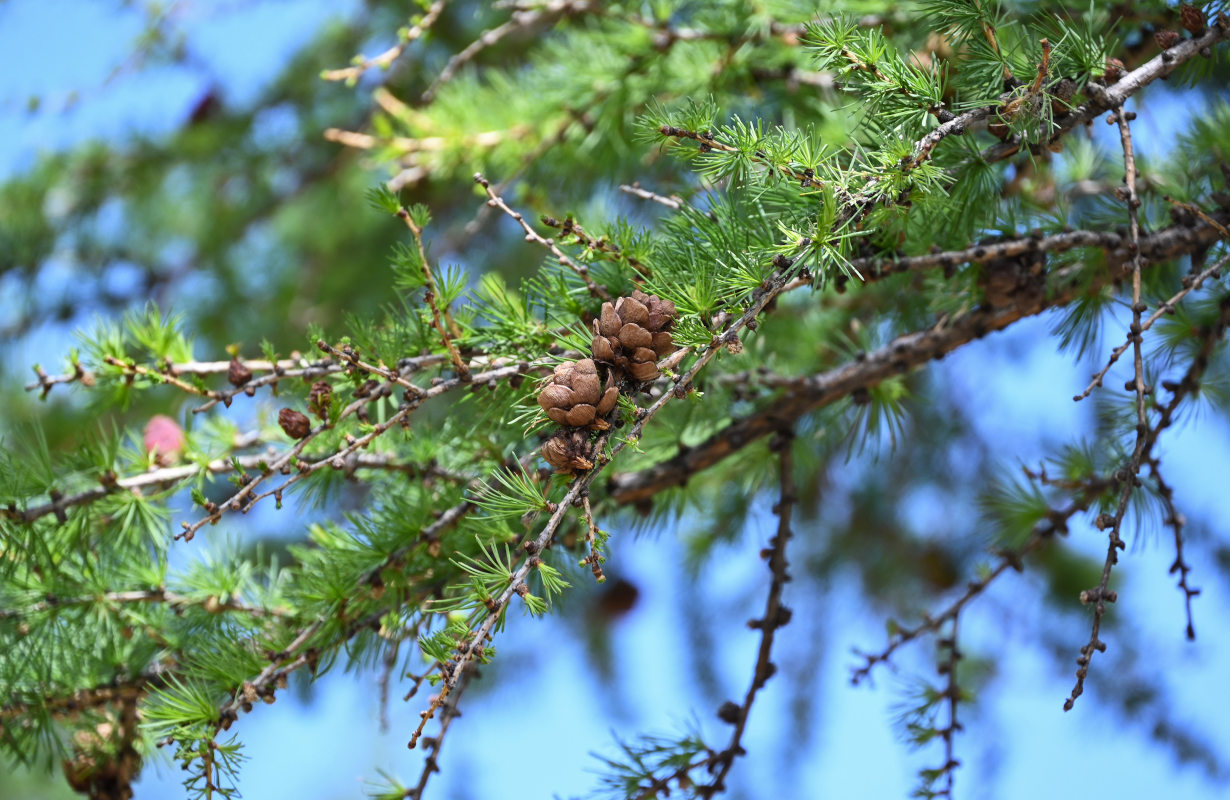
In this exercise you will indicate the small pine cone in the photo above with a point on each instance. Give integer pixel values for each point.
(575, 397)
(634, 333)
(569, 452)
(1061, 92)
(295, 424)
(729, 712)
(237, 373)
(1167, 39)
(1193, 19)
(320, 398)
(1008, 282)
(1114, 70)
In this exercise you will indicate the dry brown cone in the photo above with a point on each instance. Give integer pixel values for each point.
(1167, 39)
(633, 333)
(1193, 19)
(320, 397)
(104, 760)
(574, 396)
(1114, 70)
(569, 452)
(238, 373)
(296, 425)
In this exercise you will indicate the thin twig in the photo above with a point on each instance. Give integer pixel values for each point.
(569, 227)
(495, 201)
(1209, 338)
(348, 356)
(1055, 523)
(594, 558)
(247, 495)
(45, 382)
(1157, 246)
(674, 202)
(952, 693)
(1101, 594)
(131, 370)
(1190, 284)
(454, 330)
(1176, 522)
(168, 476)
(279, 371)
(386, 59)
(776, 615)
(1107, 98)
(448, 713)
(1198, 212)
(707, 141)
(521, 19)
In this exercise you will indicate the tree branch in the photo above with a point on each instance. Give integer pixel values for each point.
(139, 596)
(167, 476)
(1106, 98)
(809, 393)
(118, 690)
(1157, 246)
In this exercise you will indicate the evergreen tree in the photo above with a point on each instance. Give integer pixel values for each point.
(667, 259)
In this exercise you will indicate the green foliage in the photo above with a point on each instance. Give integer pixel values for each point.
(892, 91)
(645, 761)
(801, 165)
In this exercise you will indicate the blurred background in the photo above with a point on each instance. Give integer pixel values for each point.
(175, 152)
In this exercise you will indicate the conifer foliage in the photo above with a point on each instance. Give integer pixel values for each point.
(754, 226)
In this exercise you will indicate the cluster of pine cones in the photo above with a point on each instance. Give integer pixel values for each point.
(630, 336)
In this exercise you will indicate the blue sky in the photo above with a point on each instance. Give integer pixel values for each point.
(529, 733)
(76, 58)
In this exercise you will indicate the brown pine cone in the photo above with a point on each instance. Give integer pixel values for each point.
(1114, 70)
(569, 452)
(634, 333)
(1167, 39)
(574, 396)
(1193, 19)
(238, 373)
(320, 397)
(296, 425)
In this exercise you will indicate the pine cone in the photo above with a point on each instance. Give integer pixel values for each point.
(575, 397)
(320, 397)
(1167, 39)
(1114, 70)
(1193, 19)
(238, 373)
(569, 452)
(634, 333)
(1011, 281)
(295, 424)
